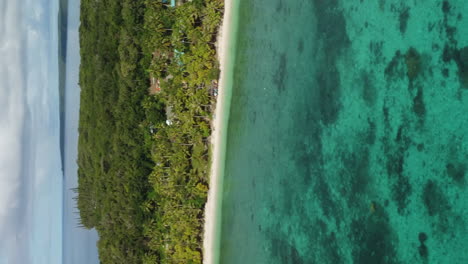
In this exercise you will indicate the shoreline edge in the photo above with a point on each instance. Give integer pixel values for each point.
(212, 225)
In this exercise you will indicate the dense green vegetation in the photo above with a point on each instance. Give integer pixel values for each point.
(144, 157)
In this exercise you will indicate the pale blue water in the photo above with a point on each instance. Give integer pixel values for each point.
(79, 244)
(347, 133)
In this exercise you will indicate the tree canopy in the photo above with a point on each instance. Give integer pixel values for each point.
(143, 157)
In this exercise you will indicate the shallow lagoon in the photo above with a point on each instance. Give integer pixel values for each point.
(347, 133)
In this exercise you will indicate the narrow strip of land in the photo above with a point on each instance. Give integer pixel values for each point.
(212, 208)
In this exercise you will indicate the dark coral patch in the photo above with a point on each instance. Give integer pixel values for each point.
(370, 134)
(332, 249)
(307, 156)
(386, 116)
(460, 56)
(401, 191)
(402, 138)
(420, 147)
(373, 239)
(401, 187)
(333, 34)
(305, 162)
(394, 68)
(280, 74)
(448, 53)
(462, 62)
(356, 167)
(450, 32)
(423, 251)
(419, 108)
(369, 92)
(395, 164)
(413, 63)
(422, 237)
(376, 48)
(403, 19)
(332, 24)
(329, 251)
(445, 72)
(456, 172)
(286, 252)
(446, 7)
(434, 199)
(329, 95)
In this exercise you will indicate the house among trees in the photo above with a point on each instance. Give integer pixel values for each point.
(155, 86)
(154, 80)
(175, 2)
(143, 160)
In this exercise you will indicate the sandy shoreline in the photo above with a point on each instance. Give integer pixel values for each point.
(210, 243)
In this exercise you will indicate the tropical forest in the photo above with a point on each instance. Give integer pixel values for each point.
(148, 76)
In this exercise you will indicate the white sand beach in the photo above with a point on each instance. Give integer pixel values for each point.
(210, 243)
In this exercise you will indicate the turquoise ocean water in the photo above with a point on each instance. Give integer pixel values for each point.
(347, 135)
